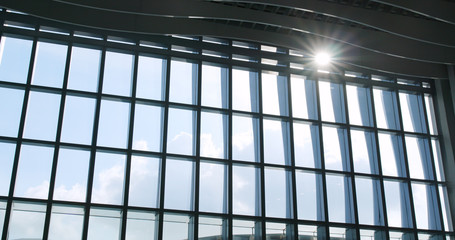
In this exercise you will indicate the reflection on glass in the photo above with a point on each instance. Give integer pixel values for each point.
(339, 199)
(104, 224)
(245, 138)
(66, 223)
(27, 221)
(213, 188)
(274, 94)
(310, 202)
(140, 225)
(242, 229)
(359, 105)
(181, 131)
(78, 118)
(412, 112)
(308, 232)
(212, 228)
(372, 234)
(276, 142)
(364, 151)
(84, 69)
(278, 193)
(332, 102)
(336, 155)
(147, 130)
(419, 160)
(183, 82)
(445, 208)
(34, 171)
(431, 114)
(179, 194)
(342, 233)
(176, 227)
(151, 78)
(306, 145)
(303, 97)
(246, 189)
(385, 103)
(113, 124)
(276, 230)
(10, 111)
(49, 66)
(71, 176)
(144, 181)
(42, 116)
(214, 134)
(14, 59)
(245, 90)
(369, 201)
(425, 206)
(391, 150)
(118, 73)
(214, 86)
(401, 235)
(108, 178)
(7, 152)
(397, 202)
(2, 215)
(437, 160)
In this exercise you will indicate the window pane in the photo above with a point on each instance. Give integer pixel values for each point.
(397, 201)
(431, 114)
(311, 232)
(7, 152)
(342, 233)
(391, 150)
(84, 69)
(104, 224)
(71, 176)
(336, 155)
(15, 59)
(78, 119)
(364, 151)
(144, 181)
(245, 138)
(419, 160)
(213, 188)
(42, 116)
(151, 78)
(245, 229)
(425, 206)
(176, 227)
(339, 198)
(332, 102)
(108, 178)
(147, 130)
(113, 124)
(412, 112)
(276, 231)
(445, 208)
(214, 86)
(211, 228)
(306, 145)
(437, 160)
(278, 193)
(359, 105)
(181, 129)
(179, 184)
(140, 225)
(27, 221)
(303, 97)
(244, 90)
(310, 200)
(2, 215)
(118, 73)
(66, 223)
(274, 94)
(386, 109)
(34, 171)
(183, 86)
(214, 132)
(49, 66)
(246, 189)
(276, 142)
(10, 110)
(369, 201)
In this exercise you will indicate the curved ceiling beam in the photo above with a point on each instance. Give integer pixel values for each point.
(163, 25)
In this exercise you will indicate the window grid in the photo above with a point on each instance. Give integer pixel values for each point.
(292, 223)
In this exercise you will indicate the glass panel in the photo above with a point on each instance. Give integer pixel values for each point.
(49, 66)
(310, 201)
(14, 59)
(144, 181)
(332, 102)
(214, 133)
(372, 235)
(118, 73)
(66, 223)
(179, 189)
(183, 86)
(311, 232)
(176, 227)
(386, 109)
(242, 230)
(397, 202)
(27, 221)
(215, 86)
(431, 114)
(342, 233)
(245, 90)
(426, 206)
(71, 176)
(151, 78)
(246, 187)
(304, 103)
(437, 160)
(104, 224)
(336, 153)
(78, 119)
(401, 235)
(412, 112)
(140, 225)
(34, 171)
(359, 105)
(84, 69)
(306, 145)
(391, 150)
(369, 201)
(181, 129)
(108, 178)
(278, 190)
(276, 142)
(212, 228)
(7, 152)
(113, 124)
(445, 208)
(10, 110)
(245, 138)
(2, 215)
(42, 116)
(274, 94)
(276, 231)
(419, 160)
(339, 198)
(213, 188)
(364, 151)
(147, 130)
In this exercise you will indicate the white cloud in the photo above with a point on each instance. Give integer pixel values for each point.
(107, 190)
(141, 145)
(39, 191)
(74, 193)
(242, 140)
(208, 147)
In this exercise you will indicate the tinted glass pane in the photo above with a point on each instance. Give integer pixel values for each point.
(425, 206)
(147, 130)
(412, 112)
(431, 114)
(364, 151)
(275, 230)
(245, 190)
(104, 224)
(385, 103)
(336, 155)
(179, 184)
(214, 132)
(113, 124)
(42, 116)
(274, 94)
(183, 86)
(176, 227)
(108, 179)
(7, 151)
(66, 223)
(27, 221)
(310, 200)
(397, 202)
(445, 208)
(15, 59)
(84, 69)
(276, 142)
(332, 102)
(391, 150)
(359, 105)
(339, 199)
(151, 78)
(211, 228)
(245, 139)
(140, 225)
(118, 73)
(419, 159)
(214, 86)
(306, 145)
(181, 129)
(277, 193)
(78, 118)
(213, 188)
(244, 90)
(303, 97)
(2, 215)
(369, 201)
(49, 66)
(437, 160)
(245, 229)
(144, 180)
(10, 110)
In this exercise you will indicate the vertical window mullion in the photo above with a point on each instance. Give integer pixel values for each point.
(229, 172)
(197, 165)
(261, 177)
